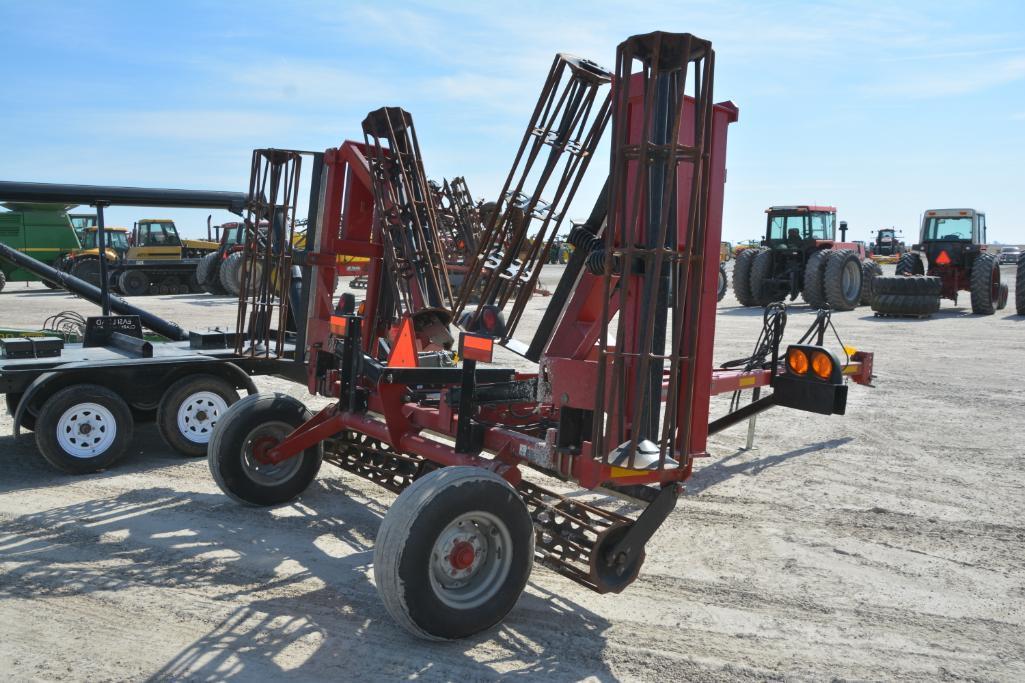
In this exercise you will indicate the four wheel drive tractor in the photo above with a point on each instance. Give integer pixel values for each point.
(952, 242)
(219, 271)
(800, 255)
(886, 243)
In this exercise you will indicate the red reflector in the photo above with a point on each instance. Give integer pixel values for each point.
(476, 347)
(943, 259)
(339, 325)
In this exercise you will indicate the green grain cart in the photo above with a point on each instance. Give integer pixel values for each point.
(43, 231)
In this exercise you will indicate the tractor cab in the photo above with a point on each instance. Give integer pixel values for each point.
(887, 243)
(952, 237)
(116, 239)
(800, 228)
(157, 239)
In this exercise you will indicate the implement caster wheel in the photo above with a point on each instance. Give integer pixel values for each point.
(250, 427)
(454, 553)
(189, 410)
(83, 428)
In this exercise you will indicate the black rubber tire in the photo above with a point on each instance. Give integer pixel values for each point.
(171, 402)
(812, 290)
(230, 274)
(406, 540)
(133, 283)
(905, 304)
(742, 277)
(1019, 286)
(64, 400)
(3, 280)
(48, 285)
(226, 451)
(985, 274)
(910, 263)
(842, 261)
(761, 269)
(28, 420)
(721, 293)
(87, 269)
(1002, 300)
(207, 274)
(870, 270)
(913, 285)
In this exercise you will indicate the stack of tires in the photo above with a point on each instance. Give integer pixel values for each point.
(913, 293)
(836, 278)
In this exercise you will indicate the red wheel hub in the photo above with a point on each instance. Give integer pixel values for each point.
(462, 555)
(261, 446)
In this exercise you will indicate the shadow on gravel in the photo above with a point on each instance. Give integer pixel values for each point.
(730, 466)
(283, 603)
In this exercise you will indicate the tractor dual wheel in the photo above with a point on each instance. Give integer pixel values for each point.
(190, 409)
(245, 432)
(813, 290)
(454, 553)
(762, 290)
(133, 283)
(721, 293)
(910, 263)
(842, 280)
(870, 270)
(742, 277)
(83, 428)
(230, 274)
(207, 275)
(916, 305)
(1019, 286)
(909, 285)
(984, 282)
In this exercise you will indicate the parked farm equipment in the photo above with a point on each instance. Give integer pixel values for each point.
(620, 398)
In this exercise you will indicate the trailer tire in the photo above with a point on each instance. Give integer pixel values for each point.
(190, 409)
(104, 423)
(812, 290)
(985, 284)
(912, 285)
(761, 270)
(133, 283)
(265, 418)
(230, 274)
(1019, 286)
(842, 280)
(905, 304)
(870, 271)
(28, 420)
(910, 263)
(426, 587)
(742, 276)
(721, 293)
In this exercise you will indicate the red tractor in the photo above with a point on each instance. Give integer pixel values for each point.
(953, 243)
(800, 255)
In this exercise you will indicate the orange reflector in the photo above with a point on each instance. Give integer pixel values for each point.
(822, 365)
(339, 325)
(403, 354)
(797, 361)
(943, 259)
(476, 347)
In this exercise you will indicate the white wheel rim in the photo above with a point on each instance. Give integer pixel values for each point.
(198, 414)
(471, 584)
(86, 430)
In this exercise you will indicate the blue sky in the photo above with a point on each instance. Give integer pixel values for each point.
(881, 109)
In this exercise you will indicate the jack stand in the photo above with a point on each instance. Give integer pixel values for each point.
(755, 393)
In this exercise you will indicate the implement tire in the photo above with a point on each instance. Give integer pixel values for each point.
(985, 284)
(813, 291)
(911, 285)
(910, 263)
(742, 277)
(870, 270)
(905, 304)
(842, 280)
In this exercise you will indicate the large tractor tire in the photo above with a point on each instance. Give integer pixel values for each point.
(870, 270)
(742, 277)
(134, 283)
(87, 269)
(1019, 286)
(910, 263)
(842, 280)
(909, 285)
(761, 272)
(207, 274)
(813, 292)
(984, 282)
(905, 304)
(230, 274)
(721, 293)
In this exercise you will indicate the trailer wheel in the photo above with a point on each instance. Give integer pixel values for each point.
(1019, 286)
(910, 263)
(133, 283)
(842, 280)
(230, 274)
(83, 428)
(870, 270)
(28, 420)
(190, 409)
(814, 278)
(721, 293)
(742, 277)
(454, 553)
(249, 427)
(985, 284)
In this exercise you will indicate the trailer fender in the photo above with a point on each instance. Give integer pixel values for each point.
(30, 393)
(239, 377)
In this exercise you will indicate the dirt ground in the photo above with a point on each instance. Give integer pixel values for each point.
(886, 544)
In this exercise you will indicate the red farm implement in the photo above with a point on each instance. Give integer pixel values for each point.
(619, 399)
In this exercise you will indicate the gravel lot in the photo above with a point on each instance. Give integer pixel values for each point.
(886, 544)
